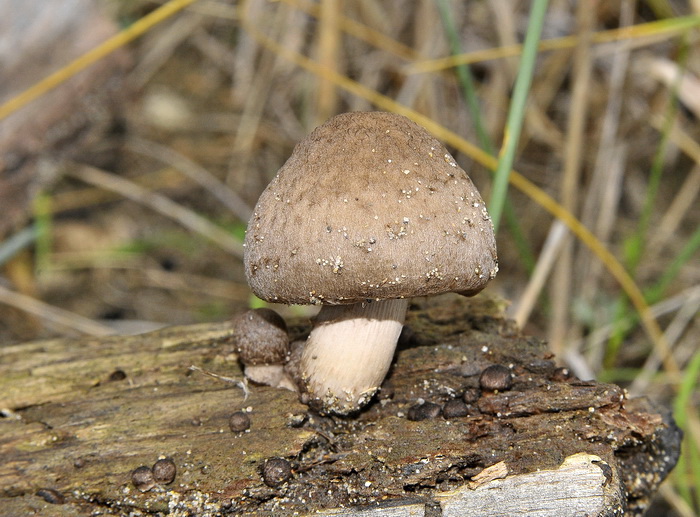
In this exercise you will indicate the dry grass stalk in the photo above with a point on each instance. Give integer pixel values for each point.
(592, 152)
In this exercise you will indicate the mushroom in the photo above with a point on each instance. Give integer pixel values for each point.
(368, 211)
(262, 344)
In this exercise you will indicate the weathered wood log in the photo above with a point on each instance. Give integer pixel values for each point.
(81, 415)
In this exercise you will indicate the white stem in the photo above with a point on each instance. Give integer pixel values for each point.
(349, 351)
(270, 375)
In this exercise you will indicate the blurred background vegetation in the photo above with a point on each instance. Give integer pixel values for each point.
(141, 224)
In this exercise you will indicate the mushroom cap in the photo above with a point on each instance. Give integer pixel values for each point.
(260, 337)
(369, 206)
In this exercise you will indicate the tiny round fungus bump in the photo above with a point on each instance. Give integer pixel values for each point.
(455, 408)
(377, 160)
(496, 378)
(471, 395)
(142, 478)
(239, 421)
(117, 375)
(164, 471)
(262, 344)
(561, 374)
(276, 471)
(51, 495)
(424, 411)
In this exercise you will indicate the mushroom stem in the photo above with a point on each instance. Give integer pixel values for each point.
(270, 375)
(349, 351)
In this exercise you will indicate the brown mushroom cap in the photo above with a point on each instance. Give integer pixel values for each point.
(369, 206)
(260, 337)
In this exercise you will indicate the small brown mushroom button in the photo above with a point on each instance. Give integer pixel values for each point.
(424, 411)
(562, 374)
(455, 408)
(262, 345)
(276, 471)
(470, 395)
(292, 367)
(164, 471)
(368, 211)
(117, 375)
(496, 378)
(142, 478)
(239, 422)
(51, 495)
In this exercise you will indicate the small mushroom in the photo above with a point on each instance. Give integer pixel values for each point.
(276, 471)
(164, 471)
(496, 378)
(142, 478)
(262, 345)
(562, 374)
(455, 408)
(368, 211)
(293, 365)
(239, 421)
(51, 495)
(117, 375)
(424, 411)
(471, 395)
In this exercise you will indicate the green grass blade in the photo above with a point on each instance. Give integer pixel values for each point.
(674, 268)
(16, 243)
(634, 246)
(469, 92)
(464, 76)
(43, 224)
(516, 113)
(688, 468)
(626, 318)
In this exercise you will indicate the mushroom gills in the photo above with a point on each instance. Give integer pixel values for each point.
(349, 352)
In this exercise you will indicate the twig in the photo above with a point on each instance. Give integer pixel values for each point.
(673, 332)
(160, 204)
(195, 172)
(547, 257)
(53, 314)
(117, 41)
(562, 280)
(241, 384)
(601, 334)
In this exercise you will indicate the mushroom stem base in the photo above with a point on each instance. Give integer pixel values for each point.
(349, 351)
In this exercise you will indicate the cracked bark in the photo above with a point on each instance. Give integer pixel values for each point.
(81, 415)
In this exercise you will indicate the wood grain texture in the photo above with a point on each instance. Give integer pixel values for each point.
(80, 415)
